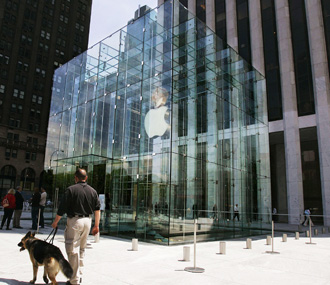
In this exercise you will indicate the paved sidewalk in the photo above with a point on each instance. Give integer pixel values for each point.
(111, 261)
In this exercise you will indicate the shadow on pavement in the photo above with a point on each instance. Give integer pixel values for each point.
(17, 282)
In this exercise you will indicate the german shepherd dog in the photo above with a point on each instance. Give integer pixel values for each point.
(45, 254)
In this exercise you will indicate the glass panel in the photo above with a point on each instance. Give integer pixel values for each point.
(171, 125)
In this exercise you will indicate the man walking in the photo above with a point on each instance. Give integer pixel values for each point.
(80, 201)
(236, 212)
(18, 209)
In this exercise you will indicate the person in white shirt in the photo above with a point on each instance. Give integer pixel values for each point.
(236, 212)
(42, 204)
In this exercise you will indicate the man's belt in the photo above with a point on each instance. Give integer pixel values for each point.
(80, 216)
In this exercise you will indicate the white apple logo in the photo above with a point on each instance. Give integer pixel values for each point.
(155, 123)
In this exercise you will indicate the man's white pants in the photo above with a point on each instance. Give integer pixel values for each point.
(76, 234)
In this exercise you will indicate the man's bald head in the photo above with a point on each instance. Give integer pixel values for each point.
(81, 174)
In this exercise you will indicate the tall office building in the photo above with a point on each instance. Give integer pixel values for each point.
(289, 43)
(36, 37)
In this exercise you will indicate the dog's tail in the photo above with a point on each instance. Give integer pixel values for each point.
(64, 265)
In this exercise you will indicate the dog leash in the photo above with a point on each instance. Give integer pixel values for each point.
(52, 238)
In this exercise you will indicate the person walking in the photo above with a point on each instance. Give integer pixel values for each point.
(236, 212)
(42, 205)
(9, 204)
(35, 200)
(79, 202)
(19, 208)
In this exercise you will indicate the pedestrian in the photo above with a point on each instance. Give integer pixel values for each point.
(236, 212)
(79, 202)
(42, 205)
(274, 214)
(308, 219)
(9, 205)
(19, 208)
(35, 201)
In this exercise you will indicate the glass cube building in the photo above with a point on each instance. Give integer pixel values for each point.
(171, 125)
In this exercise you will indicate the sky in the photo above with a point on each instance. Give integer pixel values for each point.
(110, 15)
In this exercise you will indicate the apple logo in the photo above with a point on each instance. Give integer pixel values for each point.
(155, 123)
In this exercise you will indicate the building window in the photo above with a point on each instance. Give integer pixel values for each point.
(273, 82)
(12, 136)
(7, 152)
(27, 155)
(13, 108)
(14, 153)
(220, 19)
(34, 98)
(15, 93)
(326, 19)
(39, 100)
(243, 29)
(2, 88)
(301, 57)
(33, 156)
(21, 94)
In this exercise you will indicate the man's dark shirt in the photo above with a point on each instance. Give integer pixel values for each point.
(19, 200)
(36, 199)
(79, 199)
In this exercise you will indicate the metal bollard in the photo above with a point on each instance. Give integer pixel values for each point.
(269, 240)
(285, 238)
(297, 235)
(324, 230)
(249, 243)
(134, 244)
(97, 237)
(186, 253)
(316, 232)
(307, 233)
(222, 247)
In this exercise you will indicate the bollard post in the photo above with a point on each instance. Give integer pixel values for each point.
(297, 235)
(186, 253)
(307, 233)
(249, 243)
(134, 244)
(323, 230)
(222, 247)
(97, 237)
(269, 240)
(285, 238)
(316, 232)
(195, 269)
(310, 232)
(272, 251)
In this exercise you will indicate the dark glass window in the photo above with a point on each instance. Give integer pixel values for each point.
(301, 56)
(220, 19)
(201, 10)
(243, 29)
(326, 19)
(310, 164)
(272, 70)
